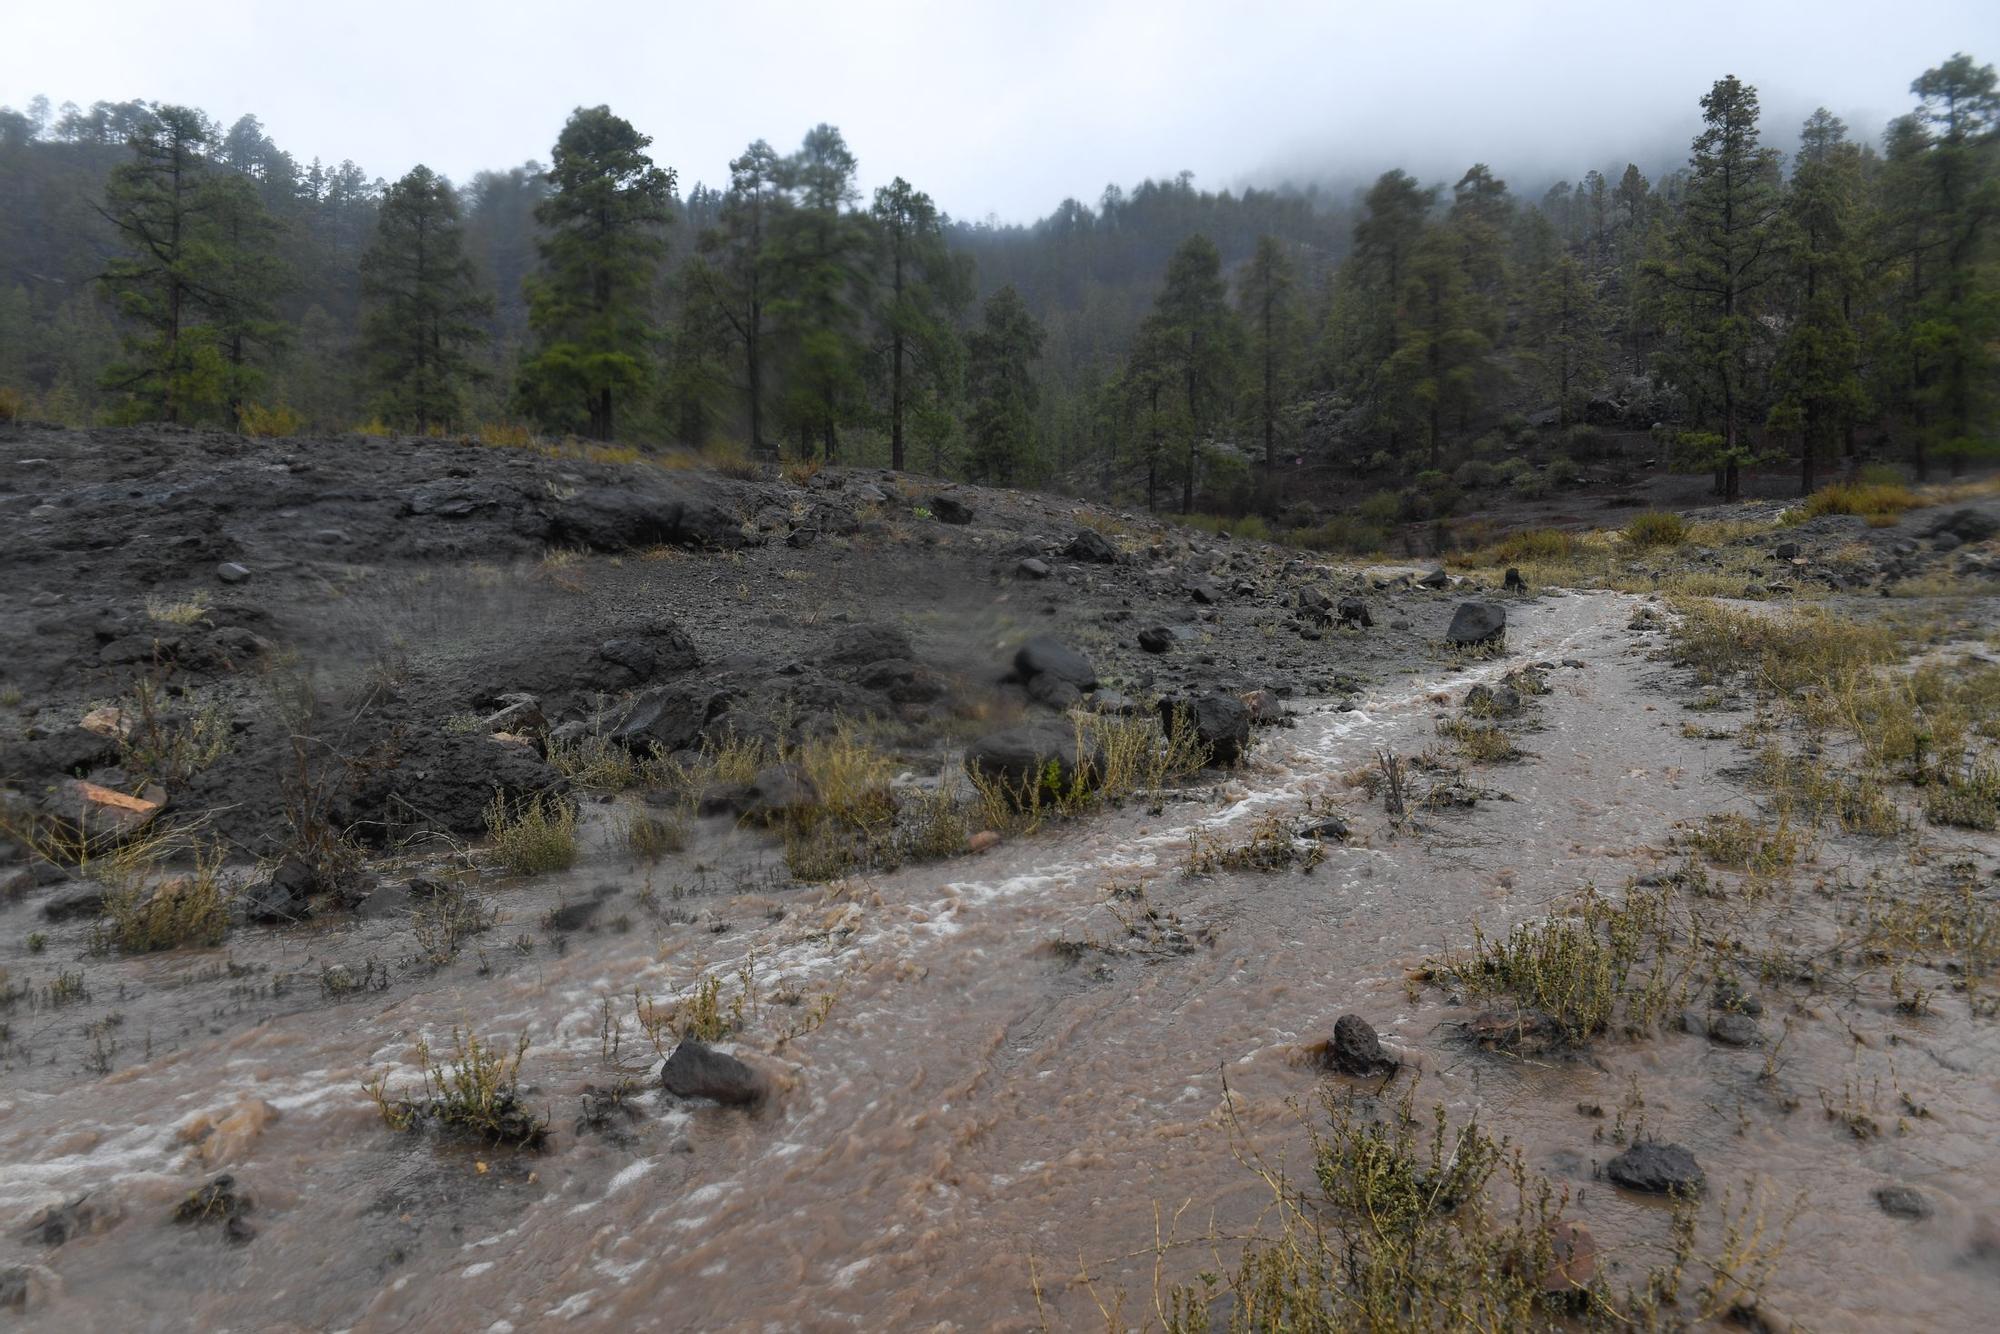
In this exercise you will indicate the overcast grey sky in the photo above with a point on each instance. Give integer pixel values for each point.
(999, 108)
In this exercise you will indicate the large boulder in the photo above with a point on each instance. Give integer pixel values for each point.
(1476, 623)
(1221, 722)
(1047, 656)
(670, 717)
(631, 516)
(1091, 547)
(864, 644)
(778, 792)
(1022, 756)
(441, 780)
(640, 651)
(950, 509)
(1967, 525)
(697, 1070)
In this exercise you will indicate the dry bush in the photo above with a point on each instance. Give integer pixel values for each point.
(1876, 500)
(253, 419)
(1656, 528)
(476, 1097)
(1600, 963)
(533, 836)
(151, 912)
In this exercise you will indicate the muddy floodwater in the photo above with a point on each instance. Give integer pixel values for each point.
(1004, 1097)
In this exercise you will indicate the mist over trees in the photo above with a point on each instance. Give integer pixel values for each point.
(1804, 297)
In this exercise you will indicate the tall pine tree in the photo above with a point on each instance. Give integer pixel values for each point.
(425, 310)
(591, 306)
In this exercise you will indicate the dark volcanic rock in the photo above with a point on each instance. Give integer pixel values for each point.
(219, 1202)
(1045, 656)
(79, 902)
(1221, 722)
(1967, 525)
(442, 780)
(1021, 755)
(697, 1070)
(1732, 1029)
(1903, 1202)
(670, 717)
(1091, 548)
(1156, 639)
(1476, 623)
(653, 513)
(950, 509)
(60, 1222)
(779, 790)
(1053, 691)
(1332, 827)
(1355, 1050)
(1656, 1169)
(867, 643)
(1436, 578)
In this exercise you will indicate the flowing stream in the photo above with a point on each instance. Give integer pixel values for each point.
(1010, 1089)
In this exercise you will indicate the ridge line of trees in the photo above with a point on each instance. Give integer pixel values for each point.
(1215, 349)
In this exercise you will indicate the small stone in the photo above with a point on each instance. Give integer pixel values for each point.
(1355, 1050)
(1656, 1169)
(1903, 1202)
(1732, 1029)
(1332, 827)
(983, 841)
(1033, 568)
(229, 572)
(1572, 1258)
(1156, 639)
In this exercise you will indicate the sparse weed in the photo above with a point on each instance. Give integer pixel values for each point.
(596, 763)
(187, 909)
(533, 836)
(443, 923)
(475, 1098)
(269, 423)
(650, 837)
(1656, 528)
(177, 611)
(1583, 969)
(1739, 843)
(1270, 845)
(1873, 499)
(1483, 743)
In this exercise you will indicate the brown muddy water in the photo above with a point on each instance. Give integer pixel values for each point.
(986, 1131)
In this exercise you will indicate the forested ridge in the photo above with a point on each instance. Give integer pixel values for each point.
(1806, 297)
